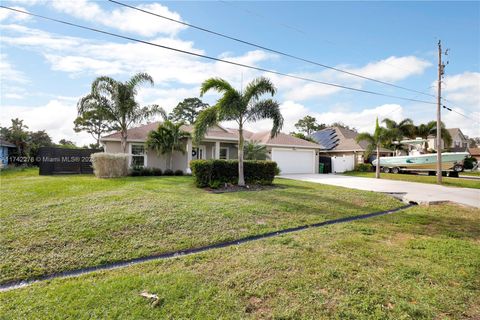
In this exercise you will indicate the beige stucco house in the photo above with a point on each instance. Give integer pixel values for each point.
(293, 155)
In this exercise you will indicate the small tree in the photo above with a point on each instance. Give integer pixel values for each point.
(167, 139)
(254, 151)
(380, 138)
(93, 122)
(309, 125)
(18, 135)
(188, 110)
(241, 107)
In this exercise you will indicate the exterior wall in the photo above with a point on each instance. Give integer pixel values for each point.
(180, 160)
(113, 147)
(3, 156)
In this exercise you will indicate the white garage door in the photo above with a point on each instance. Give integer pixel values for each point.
(294, 161)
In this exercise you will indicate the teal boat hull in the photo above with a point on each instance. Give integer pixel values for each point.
(423, 162)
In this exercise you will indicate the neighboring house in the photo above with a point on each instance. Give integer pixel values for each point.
(459, 141)
(4, 146)
(340, 142)
(293, 155)
(475, 153)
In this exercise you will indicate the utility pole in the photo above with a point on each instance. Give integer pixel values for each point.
(441, 68)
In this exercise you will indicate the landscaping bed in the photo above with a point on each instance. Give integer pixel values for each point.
(57, 223)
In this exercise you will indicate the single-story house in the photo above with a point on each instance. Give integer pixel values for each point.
(293, 155)
(4, 146)
(340, 143)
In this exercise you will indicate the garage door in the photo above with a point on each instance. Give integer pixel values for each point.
(294, 161)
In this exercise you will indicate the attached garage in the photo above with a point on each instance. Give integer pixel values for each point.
(294, 160)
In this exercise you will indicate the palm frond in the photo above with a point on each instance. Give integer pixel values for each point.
(205, 120)
(139, 79)
(257, 88)
(217, 84)
(267, 109)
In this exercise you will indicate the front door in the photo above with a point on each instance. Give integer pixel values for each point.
(199, 153)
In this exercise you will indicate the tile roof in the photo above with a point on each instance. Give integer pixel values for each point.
(218, 133)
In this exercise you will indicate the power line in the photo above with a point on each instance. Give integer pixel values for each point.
(213, 58)
(266, 48)
(450, 109)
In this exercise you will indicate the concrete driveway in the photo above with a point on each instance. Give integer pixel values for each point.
(421, 193)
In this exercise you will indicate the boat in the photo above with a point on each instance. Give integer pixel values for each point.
(418, 161)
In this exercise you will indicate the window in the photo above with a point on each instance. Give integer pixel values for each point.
(224, 153)
(138, 155)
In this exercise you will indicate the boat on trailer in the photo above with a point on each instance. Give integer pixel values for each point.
(417, 161)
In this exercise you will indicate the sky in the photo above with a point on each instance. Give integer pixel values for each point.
(46, 67)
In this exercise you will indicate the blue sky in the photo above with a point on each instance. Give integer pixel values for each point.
(45, 67)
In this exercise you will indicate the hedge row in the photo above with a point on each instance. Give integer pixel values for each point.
(212, 173)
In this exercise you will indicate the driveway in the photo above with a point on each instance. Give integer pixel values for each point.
(421, 193)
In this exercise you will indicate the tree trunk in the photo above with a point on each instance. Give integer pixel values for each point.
(241, 178)
(124, 141)
(377, 168)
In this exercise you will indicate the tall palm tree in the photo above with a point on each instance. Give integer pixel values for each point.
(167, 139)
(116, 101)
(399, 130)
(254, 151)
(380, 137)
(241, 107)
(425, 130)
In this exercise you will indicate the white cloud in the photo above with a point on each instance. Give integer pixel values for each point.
(123, 19)
(8, 73)
(393, 68)
(56, 117)
(13, 16)
(362, 120)
(463, 90)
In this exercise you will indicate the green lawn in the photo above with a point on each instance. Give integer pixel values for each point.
(57, 223)
(450, 182)
(470, 173)
(421, 263)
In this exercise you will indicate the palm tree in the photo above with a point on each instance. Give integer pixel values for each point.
(380, 138)
(254, 151)
(400, 130)
(241, 107)
(167, 139)
(425, 130)
(115, 100)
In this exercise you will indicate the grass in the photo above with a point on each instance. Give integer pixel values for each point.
(421, 263)
(57, 223)
(450, 182)
(470, 173)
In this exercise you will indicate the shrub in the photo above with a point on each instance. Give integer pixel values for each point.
(110, 165)
(364, 167)
(215, 172)
(168, 172)
(469, 163)
(179, 172)
(156, 172)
